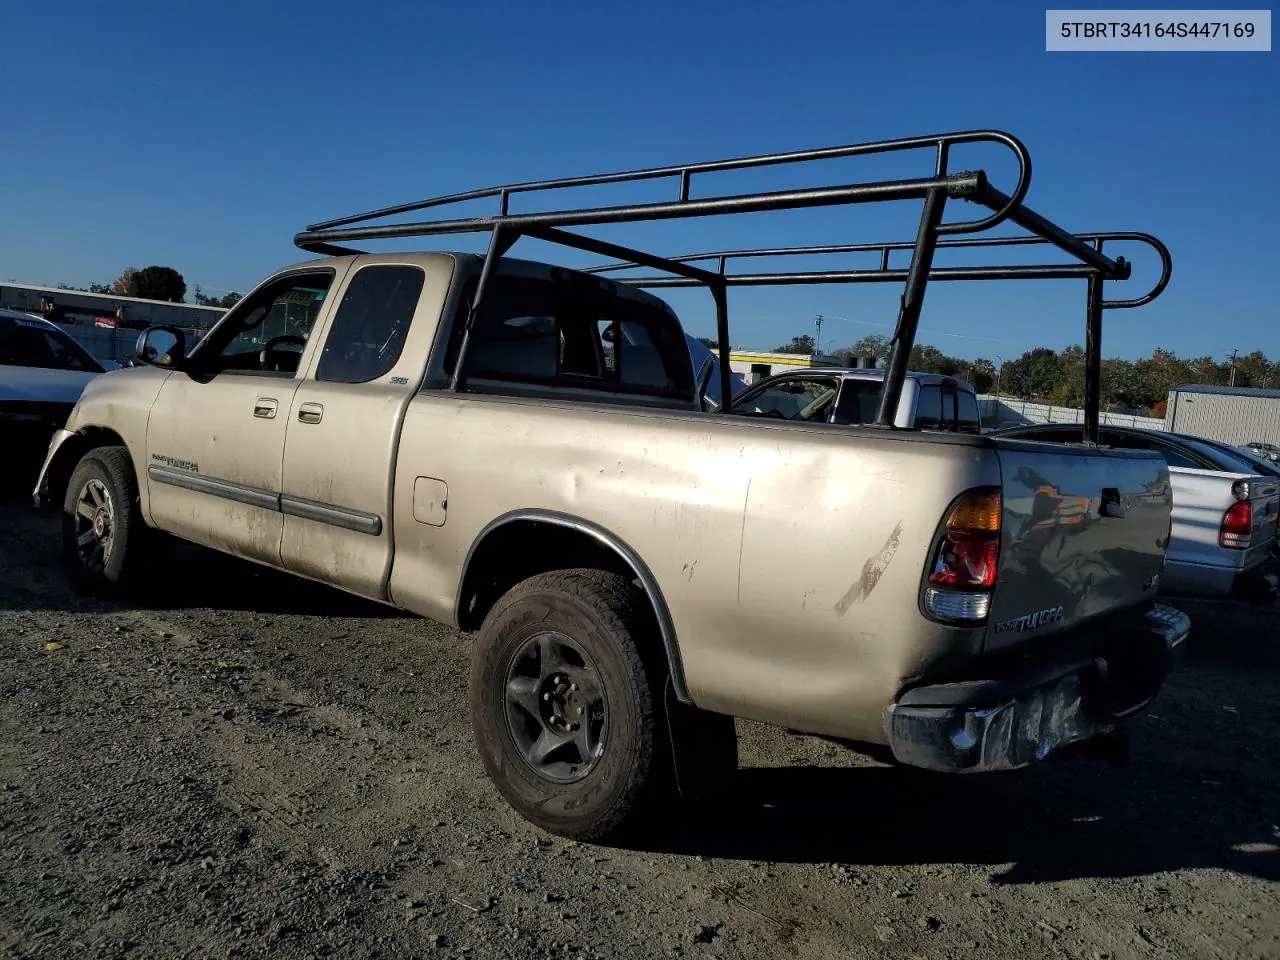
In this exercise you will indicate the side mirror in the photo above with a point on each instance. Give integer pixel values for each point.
(162, 346)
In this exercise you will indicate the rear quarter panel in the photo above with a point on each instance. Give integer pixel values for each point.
(790, 556)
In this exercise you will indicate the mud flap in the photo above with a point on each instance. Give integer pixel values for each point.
(704, 748)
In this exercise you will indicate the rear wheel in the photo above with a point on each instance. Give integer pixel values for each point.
(103, 532)
(566, 704)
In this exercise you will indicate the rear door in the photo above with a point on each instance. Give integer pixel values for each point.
(343, 424)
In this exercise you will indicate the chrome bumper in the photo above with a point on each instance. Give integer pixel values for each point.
(1012, 721)
(42, 482)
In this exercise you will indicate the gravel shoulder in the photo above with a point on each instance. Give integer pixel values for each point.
(256, 766)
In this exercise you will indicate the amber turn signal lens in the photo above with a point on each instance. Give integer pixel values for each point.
(976, 513)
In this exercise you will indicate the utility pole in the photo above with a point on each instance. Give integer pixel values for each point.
(1232, 381)
(817, 343)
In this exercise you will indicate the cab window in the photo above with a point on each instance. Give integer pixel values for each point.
(371, 323)
(807, 399)
(968, 419)
(266, 332)
(23, 345)
(929, 408)
(859, 401)
(565, 332)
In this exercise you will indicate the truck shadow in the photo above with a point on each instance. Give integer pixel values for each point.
(1073, 820)
(33, 578)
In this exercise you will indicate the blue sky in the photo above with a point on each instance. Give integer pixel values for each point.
(204, 135)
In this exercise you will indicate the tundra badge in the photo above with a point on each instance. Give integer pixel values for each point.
(1031, 621)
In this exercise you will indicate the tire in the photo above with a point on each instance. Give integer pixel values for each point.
(104, 538)
(566, 704)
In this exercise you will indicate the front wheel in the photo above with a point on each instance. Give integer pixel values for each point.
(102, 526)
(566, 705)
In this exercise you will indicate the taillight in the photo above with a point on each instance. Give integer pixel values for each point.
(965, 562)
(1237, 527)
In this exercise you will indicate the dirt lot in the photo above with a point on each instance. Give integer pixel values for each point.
(256, 767)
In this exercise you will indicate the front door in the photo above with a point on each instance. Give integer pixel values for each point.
(344, 424)
(215, 437)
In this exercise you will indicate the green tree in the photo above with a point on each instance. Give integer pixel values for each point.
(121, 286)
(158, 283)
(1034, 375)
(982, 375)
(1156, 375)
(1253, 369)
(873, 345)
(927, 358)
(802, 344)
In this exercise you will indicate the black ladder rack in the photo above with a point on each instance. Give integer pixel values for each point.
(1085, 250)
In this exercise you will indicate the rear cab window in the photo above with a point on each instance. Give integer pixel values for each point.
(567, 332)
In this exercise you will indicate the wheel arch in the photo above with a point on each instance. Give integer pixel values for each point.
(494, 564)
(53, 484)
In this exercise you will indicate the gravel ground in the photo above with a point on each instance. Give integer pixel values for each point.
(259, 767)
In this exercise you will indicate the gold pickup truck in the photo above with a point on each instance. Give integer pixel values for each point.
(524, 451)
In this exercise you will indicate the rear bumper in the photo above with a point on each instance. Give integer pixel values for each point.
(1255, 582)
(1024, 711)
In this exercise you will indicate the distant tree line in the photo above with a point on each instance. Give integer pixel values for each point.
(1057, 376)
(155, 283)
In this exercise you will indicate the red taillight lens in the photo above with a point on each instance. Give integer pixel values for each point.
(1237, 527)
(966, 562)
(969, 553)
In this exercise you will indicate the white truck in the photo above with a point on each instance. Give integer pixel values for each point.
(1226, 510)
(850, 395)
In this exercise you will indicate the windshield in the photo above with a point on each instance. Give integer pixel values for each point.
(27, 343)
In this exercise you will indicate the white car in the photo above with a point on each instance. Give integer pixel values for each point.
(42, 373)
(1226, 510)
(851, 395)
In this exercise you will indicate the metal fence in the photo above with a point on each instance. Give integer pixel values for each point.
(1008, 412)
(106, 343)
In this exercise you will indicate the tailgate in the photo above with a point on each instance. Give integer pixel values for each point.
(1084, 533)
(1264, 499)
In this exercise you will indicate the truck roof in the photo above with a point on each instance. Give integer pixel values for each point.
(507, 265)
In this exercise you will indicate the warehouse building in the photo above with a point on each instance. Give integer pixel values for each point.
(105, 324)
(753, 367)
(1234, 415)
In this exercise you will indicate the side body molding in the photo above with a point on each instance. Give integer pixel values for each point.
(614, 543)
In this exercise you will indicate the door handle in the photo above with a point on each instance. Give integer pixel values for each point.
(311, 412)
(1111, 505)
(264, 407)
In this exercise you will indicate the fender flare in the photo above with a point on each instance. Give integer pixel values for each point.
(629, 556)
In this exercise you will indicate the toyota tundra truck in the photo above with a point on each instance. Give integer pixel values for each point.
(523, 452)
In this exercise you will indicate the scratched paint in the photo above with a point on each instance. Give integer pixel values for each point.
(872, 571)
